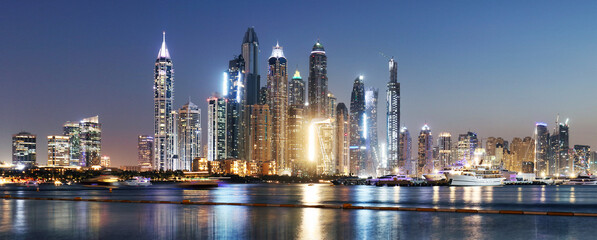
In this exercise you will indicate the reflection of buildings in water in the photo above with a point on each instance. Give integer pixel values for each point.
(542, 198)
(452, 194)
(472, 194)
(310, 227)
(519, 195)
(20, 219)
(311, 194)
(572, 195)
(435, 196)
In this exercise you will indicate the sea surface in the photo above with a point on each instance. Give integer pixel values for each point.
(43, 219)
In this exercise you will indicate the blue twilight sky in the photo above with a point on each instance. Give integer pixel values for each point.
(494, 67)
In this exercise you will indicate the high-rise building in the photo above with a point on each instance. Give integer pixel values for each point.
(490, 144)
(371, 141)
(582, 159)
(393, 116)
(58, 151)
(73, 131)
(297, 138)
(425, 153)
(332, 105)
(444, 145)
(24, 149)
(105, 161)
(559, 163)
(260, 130)
(189, 135)
(250, 54)
(404, 154)
(90, 137)
(593, 162)
(234, 90)
(342, 140)
(523, 153)
(163, 92)
(296, 90)
(467, 143)
(277, 99)
(322, 145)
(318, 83)
(216, 128)
(541, 149)
(357, 127)
(145, 151)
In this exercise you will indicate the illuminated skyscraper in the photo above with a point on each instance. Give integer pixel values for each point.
(163, 90)
(90, 136)
(145, 151)
(404, 157)
(541, 149)
(560, 158)
(523, 154)
(260, 130)
(582, 159)
(296, 90)
(332, 105)
(24, 149)
(371, 141)
(189, 135)
(277, 99)
(358, 131)
(342, 140)
(297, 129)
(425, 153)
(58, 151)
(105, 161)
(393, 116)
(444, 143)
(322, 145)
(234, 90)
(467, 143)
(216, 128)
(72, 130)
(318, 83)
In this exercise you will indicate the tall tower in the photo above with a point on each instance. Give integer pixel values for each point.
(371, 142)
(277, 99)
(358, 132)
(163, 97)
(318, 82)
(541, 149)
(444, 143)
(404, 158)
(72, 130)
(91, 141)
(145, 151)
(58, 151)
(425, 156)
(234, 91)
(250, 54)
(393, 116)
(296, 90)
(216, 128)
(342, 140)
(189, 135)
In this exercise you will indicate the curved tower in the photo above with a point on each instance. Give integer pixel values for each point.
(277, 99)
(163, 97)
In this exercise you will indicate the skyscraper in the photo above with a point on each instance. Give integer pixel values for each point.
(404, 154)
(582, 159)
(523, 154)
(58, 151)
(163, 90)
(559, 163)
(541, 149)
(234, 91)
(260, 129)
(277, 99)
(444, 143)
(322, 145)
(342, 140)
(318, 82)
(467, 143)
(73, 130)
(145, 151)
(250, 54)
(216, 128)
(24, 149)
(332, 105)
(371, 141)
(357, 127)
(296, 90)
(189, 135)
(297, 138)
(91, 141)
(425, 153)
(105, 161)
(393, 116)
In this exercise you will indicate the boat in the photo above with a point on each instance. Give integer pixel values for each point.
(103, 180)
(476, 176)
(350, 180)
(57, 183)
(138, 181)
(582, 180)
(545, 181)
(440, 176)
(205, 184)
(391, 180)
(30, 183)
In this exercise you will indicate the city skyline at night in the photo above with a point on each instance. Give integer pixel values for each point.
(490, 78)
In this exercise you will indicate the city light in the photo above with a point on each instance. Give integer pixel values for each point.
(312, 142)
(225, 84)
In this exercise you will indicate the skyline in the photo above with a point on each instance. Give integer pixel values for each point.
(126, 112)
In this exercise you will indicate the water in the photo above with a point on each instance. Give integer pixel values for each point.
(26, 219)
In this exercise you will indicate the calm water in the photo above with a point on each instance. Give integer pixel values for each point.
(27, 219)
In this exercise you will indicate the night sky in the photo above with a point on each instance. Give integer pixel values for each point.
(493, 67)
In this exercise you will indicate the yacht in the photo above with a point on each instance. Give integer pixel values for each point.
(30, 183)
(476, 176)
(138, 181)
(582, 180)
(389, 180)
(439, 176)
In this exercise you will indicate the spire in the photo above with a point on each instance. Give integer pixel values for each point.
(297, 75)
(277, 52)
(318, 48)
(164, 50)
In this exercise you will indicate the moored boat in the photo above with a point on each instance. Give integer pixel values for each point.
(582, 180)
(476, 176)
(138, 181)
